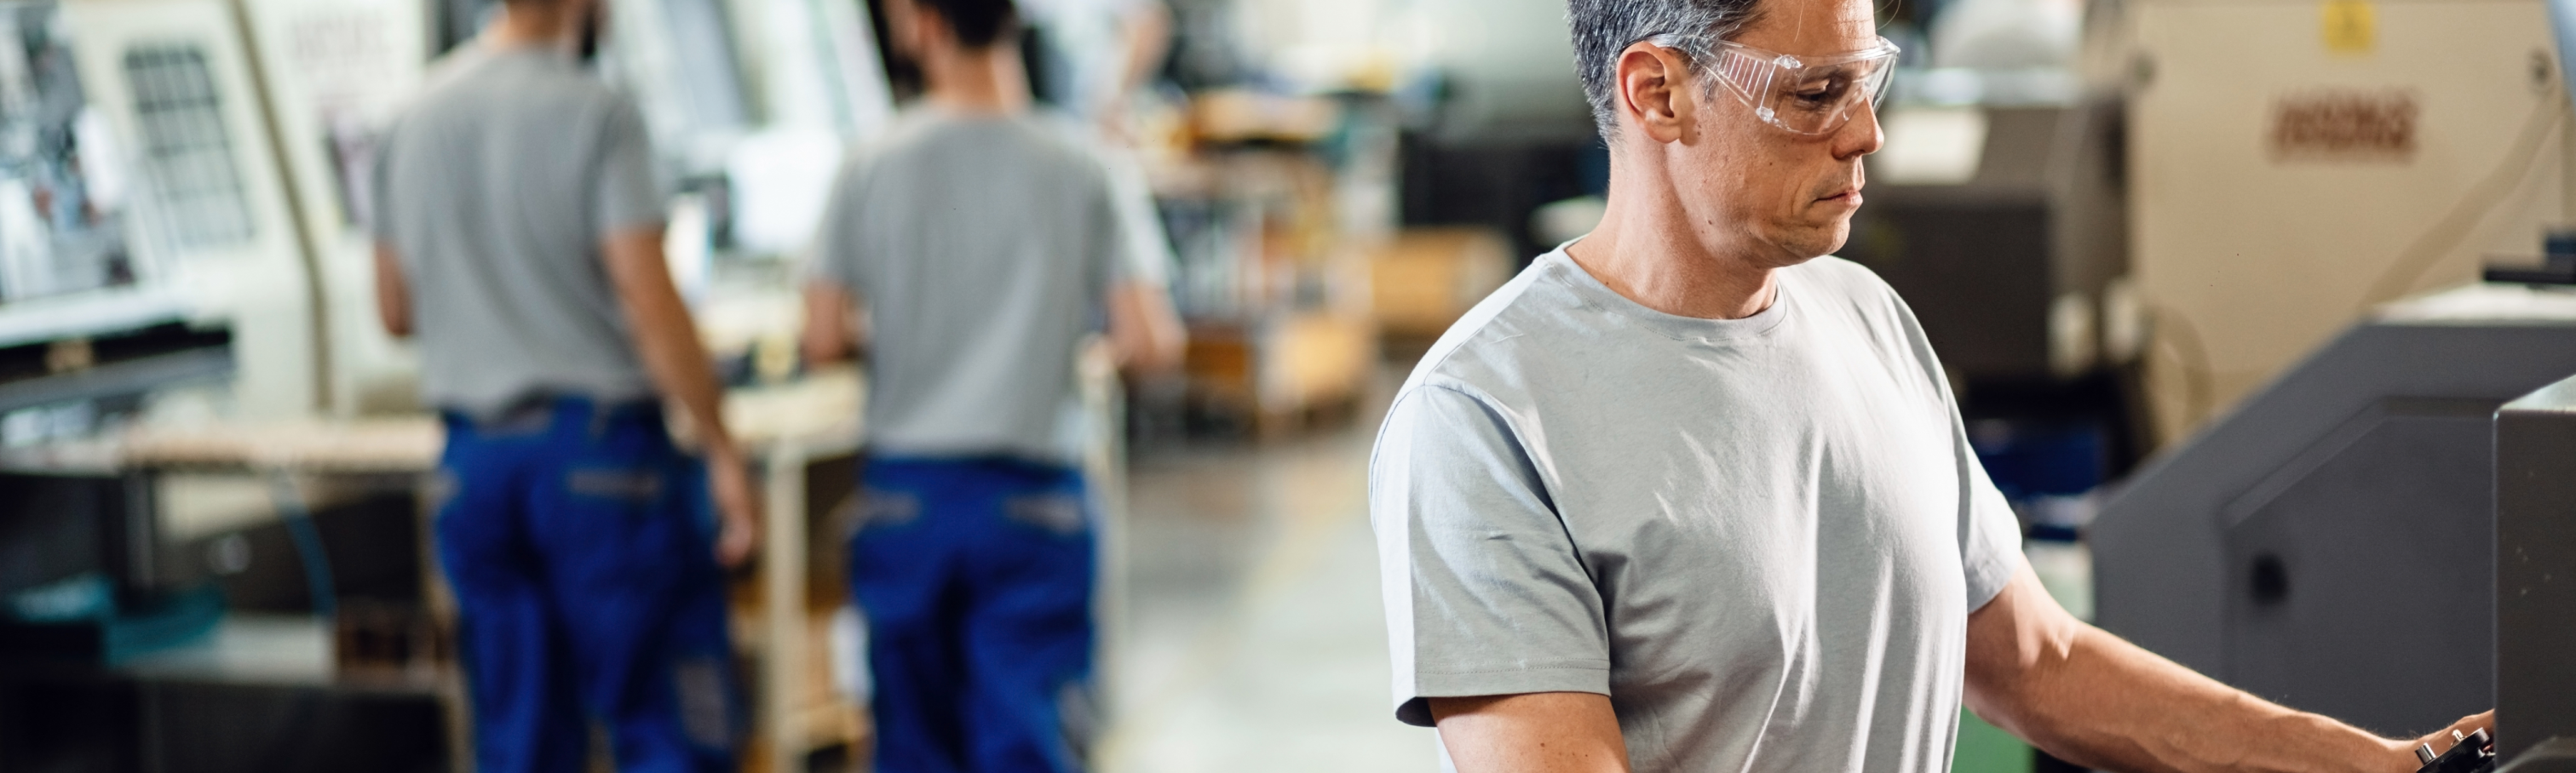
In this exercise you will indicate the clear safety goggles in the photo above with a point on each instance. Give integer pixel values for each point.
(1806, 95)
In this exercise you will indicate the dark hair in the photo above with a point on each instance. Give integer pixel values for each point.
(1603, 28)
(979, 23)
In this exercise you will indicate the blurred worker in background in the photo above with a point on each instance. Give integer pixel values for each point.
(1691, 495)
(520, 242)
(970, 252)
(1104, 52)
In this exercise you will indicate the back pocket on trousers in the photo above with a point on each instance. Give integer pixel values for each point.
(634, 487)
(1063, 514)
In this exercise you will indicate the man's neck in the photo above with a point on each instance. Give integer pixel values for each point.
(533, 25)
(987, 81)
(1648, 250)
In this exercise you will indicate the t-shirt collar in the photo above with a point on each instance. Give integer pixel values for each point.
(1560, 267)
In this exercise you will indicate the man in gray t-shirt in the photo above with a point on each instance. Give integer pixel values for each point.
(519, 234)
(983, 248)
(1685, 496)
(1753, 520)
(981, 245)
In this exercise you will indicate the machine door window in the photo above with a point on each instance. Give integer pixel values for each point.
(187, 149)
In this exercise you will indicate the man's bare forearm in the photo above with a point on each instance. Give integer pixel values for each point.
(2096, 700)
(1146, 332)
(831, 331)
(1556, 732)
(666, 337)
(393, 292)
(2115, 706)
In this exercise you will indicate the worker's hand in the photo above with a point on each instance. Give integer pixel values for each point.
(2441, 740)
(738, 506)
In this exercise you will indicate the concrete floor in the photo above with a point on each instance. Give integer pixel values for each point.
(1253, 637)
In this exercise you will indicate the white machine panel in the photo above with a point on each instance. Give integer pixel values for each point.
(2294, 163)
(337, 71)
(181, 96)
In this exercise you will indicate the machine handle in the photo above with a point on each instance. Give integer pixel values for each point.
(2470, 753)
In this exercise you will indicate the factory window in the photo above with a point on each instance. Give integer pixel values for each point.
(187, 149)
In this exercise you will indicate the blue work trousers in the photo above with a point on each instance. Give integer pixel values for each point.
(580, 546)
(975, 576)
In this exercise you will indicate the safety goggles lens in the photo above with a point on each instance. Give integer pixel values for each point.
(1807, 95)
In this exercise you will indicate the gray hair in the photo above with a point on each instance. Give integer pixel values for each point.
(1604, 28)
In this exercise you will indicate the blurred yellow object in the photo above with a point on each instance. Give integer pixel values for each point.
(773, 357)
(1244, 115)
(2350, 26)
(1284, 374)
(1427, 278)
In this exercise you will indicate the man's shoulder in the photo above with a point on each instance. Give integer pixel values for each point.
(1517, 331)
(1048, 136)
(1854, 291)
(1844, 279)
(910, 127)
(477, 84)
(1537, 324)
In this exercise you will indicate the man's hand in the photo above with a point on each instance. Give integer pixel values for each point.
(2440, 740)
(738, 507)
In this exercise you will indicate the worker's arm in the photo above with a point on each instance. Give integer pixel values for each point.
(2096, 700)
(667, 340)
(833, 330)
(1144, 330)
(393, 293)
(1549, 732)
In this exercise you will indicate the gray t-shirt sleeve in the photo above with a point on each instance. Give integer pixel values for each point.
(835, 252)
(1485, 592)
(1138, 251)
(628, 196)
(1989, 535)
(380, 221)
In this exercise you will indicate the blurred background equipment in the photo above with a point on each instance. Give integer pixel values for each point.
(84, 579)
(2275, 549)
(2002, 227)
(177, 87)
(2535, 441)
(332, 75)
(1426, 278)
(2295, 165)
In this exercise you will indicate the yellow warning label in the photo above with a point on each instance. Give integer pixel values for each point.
(2350, 26)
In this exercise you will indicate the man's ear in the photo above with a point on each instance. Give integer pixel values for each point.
(1653, 82)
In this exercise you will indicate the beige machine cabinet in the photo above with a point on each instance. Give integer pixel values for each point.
(336, 71)
(183, 99)
(2294, 162)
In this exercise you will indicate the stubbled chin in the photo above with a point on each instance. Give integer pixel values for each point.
(1820, 240)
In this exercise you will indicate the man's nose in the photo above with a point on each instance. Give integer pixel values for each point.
(1860, 136)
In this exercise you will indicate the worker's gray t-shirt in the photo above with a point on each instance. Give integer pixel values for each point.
(983, 250)
(1761, 538)
(496, 186)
